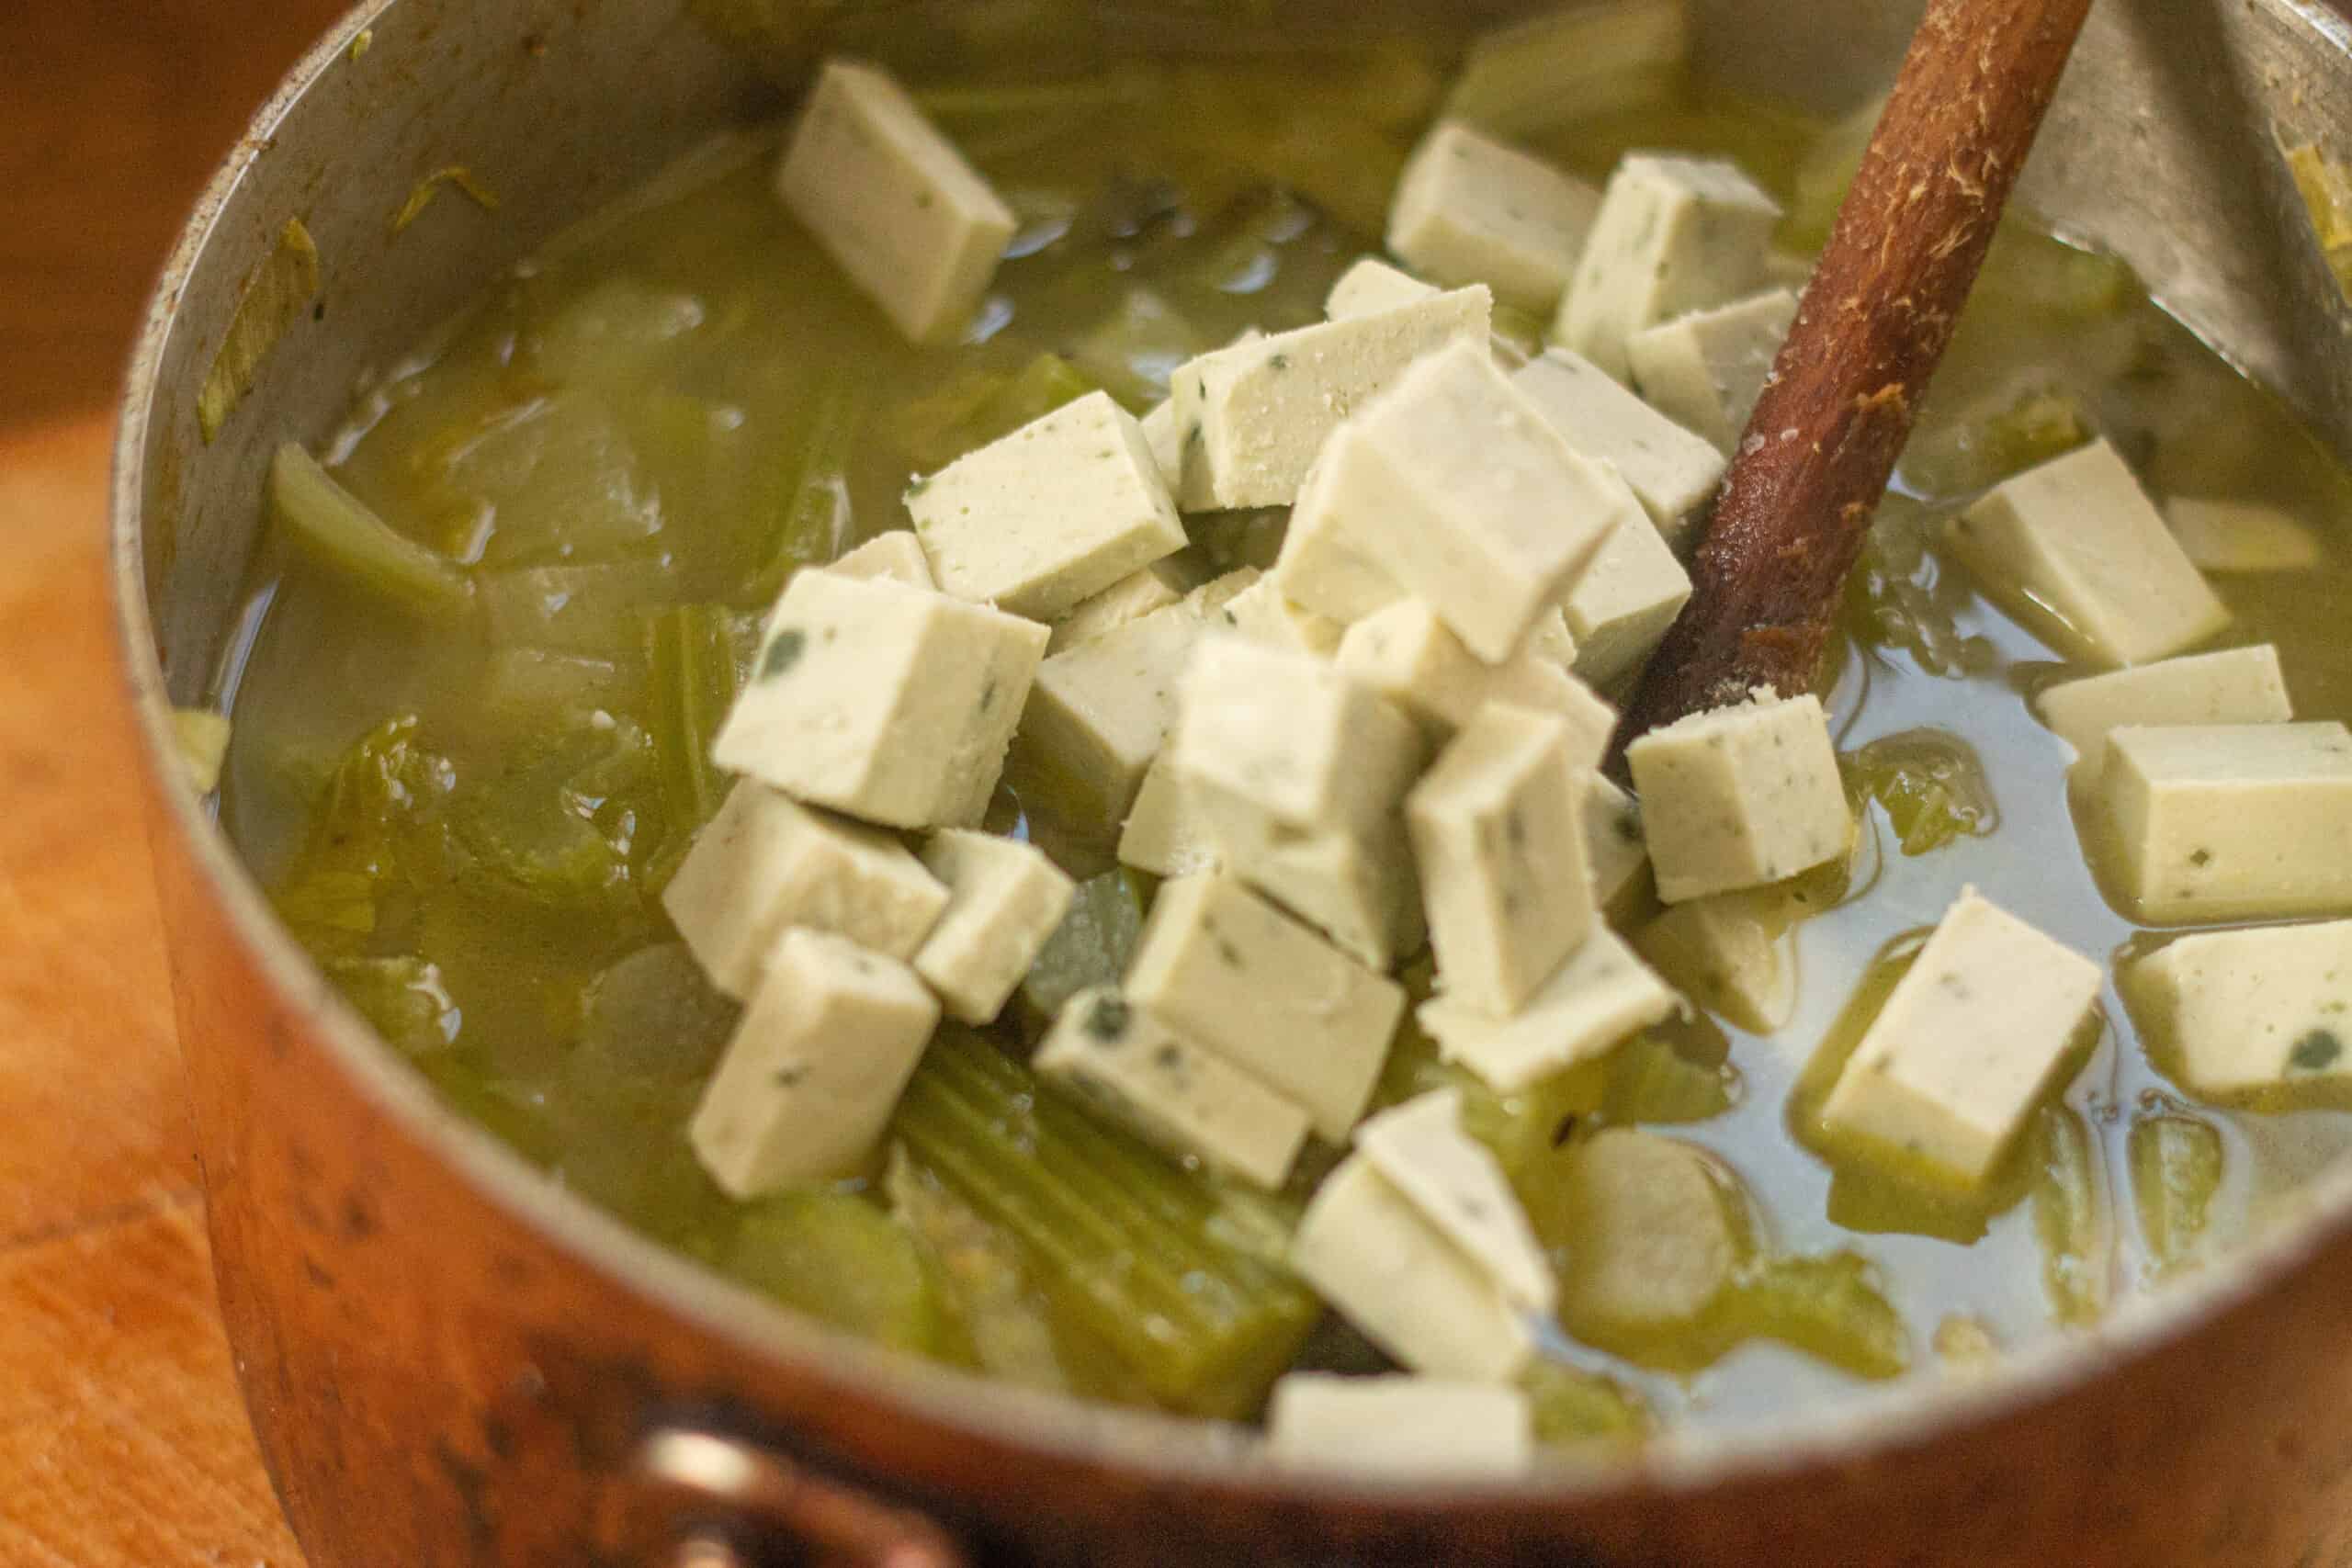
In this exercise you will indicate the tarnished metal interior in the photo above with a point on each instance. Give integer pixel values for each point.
(2164, 148)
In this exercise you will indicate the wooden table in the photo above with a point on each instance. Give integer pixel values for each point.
(122, 1440)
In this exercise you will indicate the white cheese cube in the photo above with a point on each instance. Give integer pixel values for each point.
(1471, 210)
(815, 1067)
(1131, 598)
(1407, 655)
(1059, 510)
(2242, 686)
(1264, 614)
(1622, 606)
(1166, 439)
(1740, 796)
(1672, 471)
(1581, 61)
(1457, 489)
(2224, 822)
(1499, 840)
(1706, 370)
(896, 554)
(1459, 1187)
(892, 201)
(2241, 536)
(1101, 712)
(765, 862)
(1254, 416)
(2077, 546)
(1371, 285)
(1673, 235)
(1165, 833)
(1406, 1428)
(1968, 1043)
(1370, 1252)
(1613, 846)
(1600, 997)
(883, 701)
(1323, 567)
(1356, 886)
(1307, 745)
(2244, 1011)
(1230, 971)
(1731, 955)
(1170, 1090)
(1005, 899)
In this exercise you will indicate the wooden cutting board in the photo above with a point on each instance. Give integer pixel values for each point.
(123, 1443)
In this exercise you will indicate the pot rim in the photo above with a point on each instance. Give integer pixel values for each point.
(1912, 1412)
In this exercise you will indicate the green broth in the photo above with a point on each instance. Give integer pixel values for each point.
(648, 408)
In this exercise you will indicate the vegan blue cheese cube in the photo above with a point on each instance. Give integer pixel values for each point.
(815, 1067)
(1613, 846)
(2077, 546)
(1459, 1187)
(765, 862)
(2243, 1013)
(892, 201)
(1462, 493)
(1356, 886)
(883, 701)
(1673, 471)
(2242, 685)
(1705, 370)
(1227, 969)
(897, 556)
(1155, 586)
(1498, 841)
(1411, 1428)
(1370, 1251)
(1740, 796)
(2231, 821)
(1170, 1089)
(1252, 417)
(1969, 1042)
(1473, 209)
(1731, 953)
(1323, 566)
(1004, 899)
(1405, 654)
(1673, 235)
(1101, 712)
(1165, 832)
(1371, 285)
(1264, 613)
(1600, 999)
(1051, 515)
(1624, 603)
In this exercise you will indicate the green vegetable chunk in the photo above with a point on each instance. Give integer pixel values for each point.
(1092, 945)
(815, 519)
(1178, 1279)
(1980, 448)
(2070, 1215)
(1831, 1307)
(330, 525)
(694, 661)
(565, 822)
(1521, 1129)
(404, 998)
(2177, 1169)
(1930, 783)
(379, 831)
(1651, 1082)
(843, 1261)
(1579, 1409)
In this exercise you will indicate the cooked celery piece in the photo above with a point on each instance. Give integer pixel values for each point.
(575, 609)
(612, 333)
(2176, 1168)
(983, 1278)
(1092, 945)
(330, 525)
(552, 480)
(1930, 783)
(654, 1015)
(537, 685)
(694, 661)
(1521, 1129)
(377, 828)
(1832, 1307)
(404, 998)
(815, 523)
(2026, 271)
(1904, 596)
(979, 406)
(563, 822)
(842, 1260)
(2071, 1216)
(1976, 449)
(1650, 1081)
(1579, 1409)
(618, 1137)
(200, 737)
(1133, 1246)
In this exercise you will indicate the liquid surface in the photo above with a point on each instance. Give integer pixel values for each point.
(639, 404)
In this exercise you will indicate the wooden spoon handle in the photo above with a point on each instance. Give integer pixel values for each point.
(1876, 320)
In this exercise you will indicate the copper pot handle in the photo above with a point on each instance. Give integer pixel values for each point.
(690, 1498)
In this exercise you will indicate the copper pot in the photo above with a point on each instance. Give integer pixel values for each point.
(450, 1360)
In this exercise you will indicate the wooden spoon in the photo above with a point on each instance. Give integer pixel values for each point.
(1877, 317)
